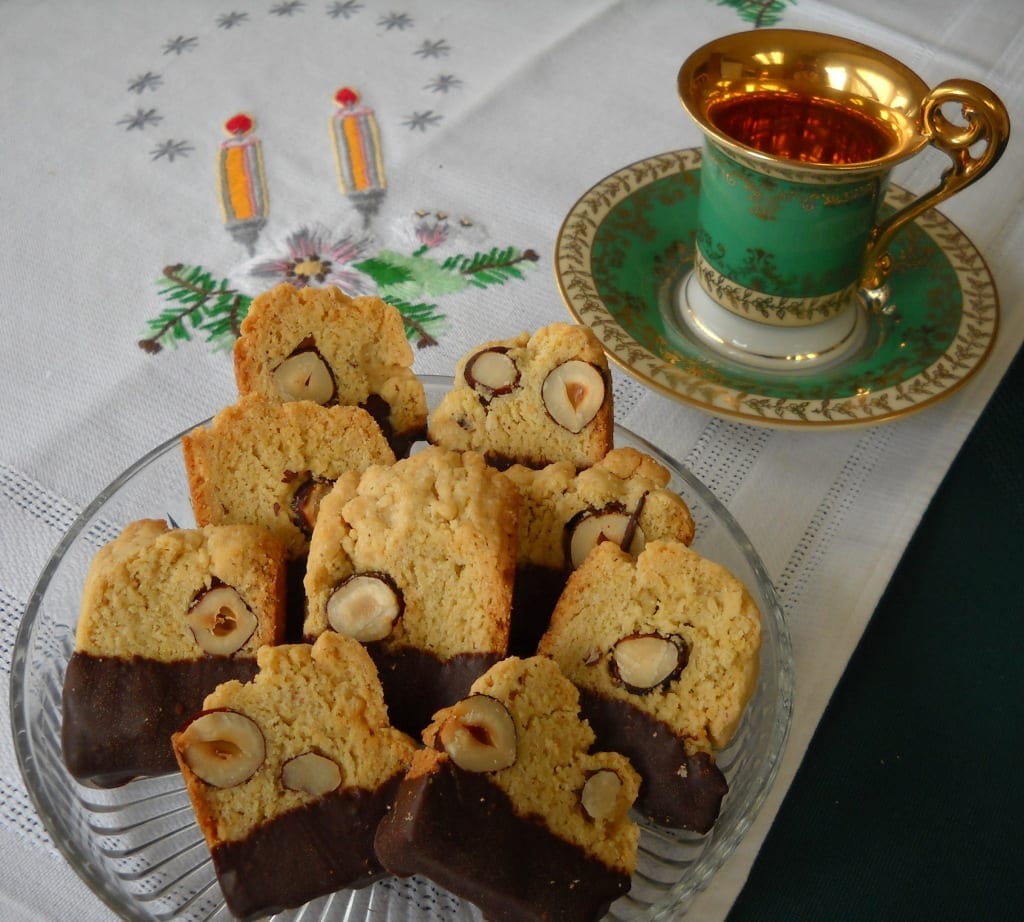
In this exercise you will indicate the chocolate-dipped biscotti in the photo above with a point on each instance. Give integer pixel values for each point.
(319, 344)
(564, 513)
(508, 808)
(531, 400)
(664, 649)
(290, 774)
(417, 559)
(270, 463)
(166, 615)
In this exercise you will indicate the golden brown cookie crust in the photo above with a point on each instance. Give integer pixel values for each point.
(140, 586)
(517, 426)
(625, 478)
(442, 526)
(553, 759)
(323, 698)
(362, 340)
(247, 464)
(673, 591)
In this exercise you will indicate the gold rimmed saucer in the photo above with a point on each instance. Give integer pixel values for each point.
(626, 247)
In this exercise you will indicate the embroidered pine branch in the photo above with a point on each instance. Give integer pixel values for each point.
(759, 13)
(199, 304)
(492, 268)
(418, 319)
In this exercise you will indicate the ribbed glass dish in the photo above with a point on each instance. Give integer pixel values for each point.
(138, 846)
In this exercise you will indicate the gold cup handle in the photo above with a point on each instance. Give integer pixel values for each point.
(985, 120)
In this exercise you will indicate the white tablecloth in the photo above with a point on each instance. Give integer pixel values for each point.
(493, 118)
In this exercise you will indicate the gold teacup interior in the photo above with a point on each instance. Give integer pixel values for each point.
(805, 97)
(803, 128)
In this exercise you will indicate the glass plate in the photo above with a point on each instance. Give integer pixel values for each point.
(138, 846)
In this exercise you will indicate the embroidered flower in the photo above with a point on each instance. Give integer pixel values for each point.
(315, 259)
(431, 233)
(430, 230)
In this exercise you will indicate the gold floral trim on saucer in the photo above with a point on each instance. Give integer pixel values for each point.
(627, 245)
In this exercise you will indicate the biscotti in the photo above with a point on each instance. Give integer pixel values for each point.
(290, 774)
(509, 808)
(665, 651)
(270, 463)
(564, 513)
(319, 344)
(417, 560)
(166, 615)
(531, 400)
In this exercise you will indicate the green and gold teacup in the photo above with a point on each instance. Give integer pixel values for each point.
(801, 132)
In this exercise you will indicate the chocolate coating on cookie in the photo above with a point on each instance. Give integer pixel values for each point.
(418, 683)
(534, 594)
(401, 442)
(119, 713)
(540, 876)
(305, 853)
(681, 788)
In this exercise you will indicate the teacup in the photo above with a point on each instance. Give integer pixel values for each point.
(801, 132)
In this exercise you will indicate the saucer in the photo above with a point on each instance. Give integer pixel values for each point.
(625, 250)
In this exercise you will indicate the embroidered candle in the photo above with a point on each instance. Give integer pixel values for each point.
(357, 153)
(243, 187)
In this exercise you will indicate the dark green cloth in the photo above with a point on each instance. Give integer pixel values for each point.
(909, 803)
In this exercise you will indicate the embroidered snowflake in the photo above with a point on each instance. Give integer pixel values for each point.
(230, 20)
(442, 83)
(142, 118)
(287, 9)
(421, 121)
(170, 150)
(344, 9)
(148, 81)
(314, 258)
(429, 49)
(398, 21)
(180, 45)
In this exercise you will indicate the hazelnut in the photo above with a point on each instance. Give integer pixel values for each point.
(599, 796)
(311, 773)
(492, 373)
(365, 606)
(305, 375)
(222, 747)
(306, 500)
(220, 620)
(573, 392)
(479, 735)
(589, 528)
(643, 662)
